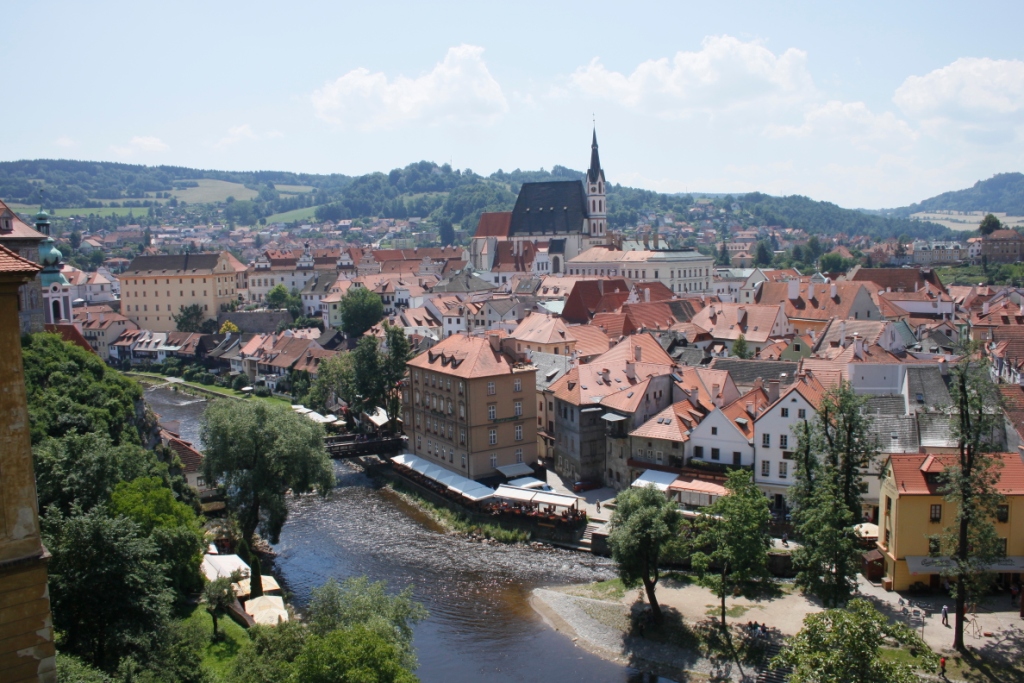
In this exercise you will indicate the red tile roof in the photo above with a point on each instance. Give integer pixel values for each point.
(910, 473)
(494, 224)
(463, 356)
(70, 334)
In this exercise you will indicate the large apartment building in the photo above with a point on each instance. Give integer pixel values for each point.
(155, 288)
(470, 407)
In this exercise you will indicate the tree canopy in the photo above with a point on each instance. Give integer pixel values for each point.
(643, 524)
(361, 309)
(845, 646)
(732, 541)
(259, 451)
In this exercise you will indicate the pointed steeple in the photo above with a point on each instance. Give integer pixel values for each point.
(595, 161)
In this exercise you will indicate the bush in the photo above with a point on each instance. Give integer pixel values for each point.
(207, 379)
(239, 382)
(262, 391)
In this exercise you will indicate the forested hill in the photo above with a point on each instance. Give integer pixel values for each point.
(1003, 192)
(425, 189)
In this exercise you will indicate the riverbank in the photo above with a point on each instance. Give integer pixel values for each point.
(194, 388)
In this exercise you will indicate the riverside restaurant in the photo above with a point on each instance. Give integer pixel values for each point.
(512, 502)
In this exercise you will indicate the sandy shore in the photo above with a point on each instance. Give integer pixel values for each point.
(600, 627)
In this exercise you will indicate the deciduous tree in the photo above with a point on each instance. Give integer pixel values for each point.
(845, 646)
(643, 524)
(218, 596)
(361, 309)
(259, 451)
(989, 224)
(732, 541)
(190, 318)
(355, 654)
(739, 347)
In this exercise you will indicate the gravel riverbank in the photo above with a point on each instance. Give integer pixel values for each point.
(601, 627)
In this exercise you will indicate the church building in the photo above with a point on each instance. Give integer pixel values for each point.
(560, 218)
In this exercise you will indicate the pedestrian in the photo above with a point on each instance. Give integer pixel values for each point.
(942, 666)
(945, 615)
(598, 507)
(785, 539)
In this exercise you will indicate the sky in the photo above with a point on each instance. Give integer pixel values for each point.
(867, 104)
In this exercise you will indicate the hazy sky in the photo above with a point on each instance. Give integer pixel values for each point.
(864, 104)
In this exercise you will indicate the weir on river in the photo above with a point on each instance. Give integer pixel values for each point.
(481, 626)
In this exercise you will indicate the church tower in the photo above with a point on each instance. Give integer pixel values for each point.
(596, 209)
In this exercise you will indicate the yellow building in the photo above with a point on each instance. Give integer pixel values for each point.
(155, 288)
(471, 408)
(913, 512)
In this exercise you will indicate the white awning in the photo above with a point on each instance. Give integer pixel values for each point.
(378, 417)
(479, 493)
(613, 417)
(559, 499)
(866, 530)
(925, 564)
(219, 566)
(660, 480)
(513, 493)
(520, 469)
(257, 605)
(528, 483)
(301, 410)
(404, 459)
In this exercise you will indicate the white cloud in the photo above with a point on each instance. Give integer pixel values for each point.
(851, 121)
(141, 144)
(980, 100)
(65, 141)
(725, 74)
(244, 133)
(460, 89)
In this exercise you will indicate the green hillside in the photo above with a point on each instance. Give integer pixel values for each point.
(1002, 193)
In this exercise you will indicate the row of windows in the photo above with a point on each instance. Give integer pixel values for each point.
(766, 440)
(766, 469)
(156, 295)
(145, 308)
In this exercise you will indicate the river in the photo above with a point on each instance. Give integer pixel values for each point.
(481, 626)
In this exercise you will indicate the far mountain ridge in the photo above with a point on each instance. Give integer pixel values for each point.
(1002, 193)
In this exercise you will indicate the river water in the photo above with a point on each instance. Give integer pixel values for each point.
(481, 626)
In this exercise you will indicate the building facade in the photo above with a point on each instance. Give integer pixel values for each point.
(470, 407)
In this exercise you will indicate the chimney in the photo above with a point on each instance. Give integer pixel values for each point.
(88, 315)
(842, 333)
(741, 315)
(638, 352)
(630, 369)
(832, 291)
(600, 287)
(495, 340)
(915, 285)
(750, 409)
(858, 347)
(793, 289)
(647, 295)
(984, 308)
(773, 390)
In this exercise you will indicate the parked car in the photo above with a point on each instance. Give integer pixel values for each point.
(585, 485)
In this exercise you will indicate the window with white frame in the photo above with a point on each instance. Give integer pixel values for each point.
(490, 389)
(783, 470)
(801, 413)
(518, 408)
(517, 385)
(494, 461)
(492, 412)
(766, 468)
(766, 440)
(492, 436)
(519, 455)
(519, 432)
(785, 412)
(783, 440)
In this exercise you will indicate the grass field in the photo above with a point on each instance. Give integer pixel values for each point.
(65, 213)
(213, 388)
(294, 189)
(297, 215)
(218, 656)
(210, 191)
(966, 220)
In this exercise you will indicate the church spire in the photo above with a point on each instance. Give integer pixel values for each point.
(595, 161)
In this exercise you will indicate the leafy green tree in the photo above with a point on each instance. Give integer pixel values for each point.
(763, 254)
(107, 585)
(190, 318)
(833, 263)
(361, 309)
(969, 485)
(828, 559)
(71, 669)
(259, 451)
(70, 390)
(723, 255)
(335, 379)
(359, 603)
(228, 328)
(446, 232)
(269, 654)
(739, 347)
(989, 224)
(277, 297)
(83, 469)
(255, 577)
(845, 646)
(356, 654)
(732, 542)
(218, 596)
(643, 524)
(172, 525)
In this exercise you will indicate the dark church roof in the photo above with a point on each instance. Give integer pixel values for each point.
(549, 208)
(594, 172)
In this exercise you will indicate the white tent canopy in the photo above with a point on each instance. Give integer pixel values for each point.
(522, 495)
(256, 605)
(221, 566)
(528, 483)
(519, 469)
(660, 480)
(465, 487)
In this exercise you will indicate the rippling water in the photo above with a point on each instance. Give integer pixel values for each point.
(481, 626)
